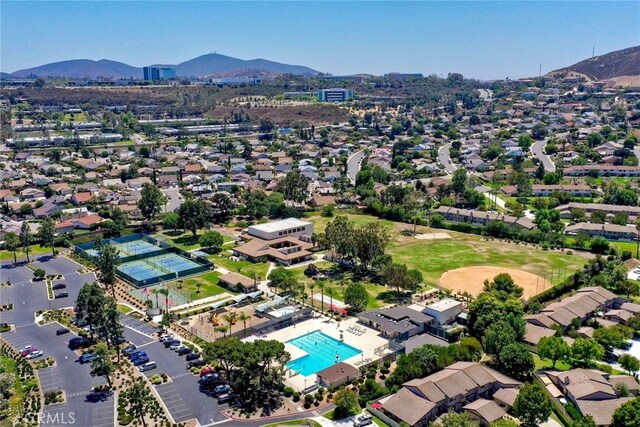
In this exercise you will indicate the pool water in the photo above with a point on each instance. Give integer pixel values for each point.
(322, 351)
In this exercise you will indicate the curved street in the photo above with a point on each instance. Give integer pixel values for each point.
(353, 165)
(445, 159)
(537, 148)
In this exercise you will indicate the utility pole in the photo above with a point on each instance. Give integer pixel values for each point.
(540, 71)
(593, 52)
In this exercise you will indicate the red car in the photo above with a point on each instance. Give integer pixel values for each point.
(28, 351)
(206, 370)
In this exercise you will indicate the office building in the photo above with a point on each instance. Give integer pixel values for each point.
(159, 73)
(335, 95)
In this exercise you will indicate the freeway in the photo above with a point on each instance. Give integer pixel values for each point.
(353, 165)
(445, 159)
(537, 148)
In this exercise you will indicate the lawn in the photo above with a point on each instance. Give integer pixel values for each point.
(9, 366)
(36, 250)
(242, 267)
(208, 286)
(186, 241)
(124, 309)
(373, 289)
(123, 143)
(546, 364)
(320, 222)
(75, 117)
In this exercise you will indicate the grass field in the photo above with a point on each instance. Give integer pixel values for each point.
(338, 289)
(36, 251)
(242, 267)
(547, 364)
(208, 286)
(124, 309)
(434, 257)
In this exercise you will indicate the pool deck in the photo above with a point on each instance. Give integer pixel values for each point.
(366, 343)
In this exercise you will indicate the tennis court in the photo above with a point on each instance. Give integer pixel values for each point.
(146, 261)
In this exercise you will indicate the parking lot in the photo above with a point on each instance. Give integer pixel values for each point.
(82, 407)
(182, 396)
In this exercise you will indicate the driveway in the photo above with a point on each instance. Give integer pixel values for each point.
(537, 148)
(445, 159)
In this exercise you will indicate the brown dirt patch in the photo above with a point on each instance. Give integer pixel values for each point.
(471, 279)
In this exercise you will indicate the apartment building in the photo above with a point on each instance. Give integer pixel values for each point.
(463, 386)
(608, 231)
(481, 217)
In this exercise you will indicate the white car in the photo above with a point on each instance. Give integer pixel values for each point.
(35, 354)
(175, 347)
(25, 348)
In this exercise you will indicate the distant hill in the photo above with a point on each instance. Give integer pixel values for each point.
(4, 75)
(214, 63)
(201, 66)
(79, 68)
(625, 62)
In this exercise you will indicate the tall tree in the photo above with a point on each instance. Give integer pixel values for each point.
(110, 320)
(194, 214)
(282, 278)
(12, 243)
(221, 208)
(294, 187)
(212, 241)
(25, 239)
(356, 296)
(532, 406)
(47, 235)
(102, 365)
(586, 349)
(371, 241)
(151, 202)
(90, 305)
(107, 262)
(628, 414)
(140, 400)
(554, 349)
(516, 361)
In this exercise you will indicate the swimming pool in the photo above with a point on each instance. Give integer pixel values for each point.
(323, 351)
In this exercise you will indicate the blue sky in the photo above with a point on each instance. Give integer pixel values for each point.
(478, 39)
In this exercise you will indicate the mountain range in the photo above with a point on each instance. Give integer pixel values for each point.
(625, 62)
(208, 65)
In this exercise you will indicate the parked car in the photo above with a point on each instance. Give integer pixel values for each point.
(28, 351)
(58, 286)
(25, 348)
(129, 349)
(192, 356)
(171, 342)
(87, 358)
(196, 363)
(34, 354)
(183, 350)
(206, 370)
(136, 354)
(61, 295)
(77, 342)
(141, 360)
(222, 389)
(148, 366)
(210, 379)
(62, 331)
(363, 420)
(224, 398)
(166, 337)
(175, 347)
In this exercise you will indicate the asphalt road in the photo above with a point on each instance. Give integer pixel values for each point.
(537, 148)
(486, 94)
(445, 159)
(353, 165)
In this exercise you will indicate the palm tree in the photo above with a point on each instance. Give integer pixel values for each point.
(330, 292)
(223, 329)
(165, 292)
(197, 287)
(156, 292)
(230, 319)
(303, 295)
(243, 317)
(311, 286)
(321, 286)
